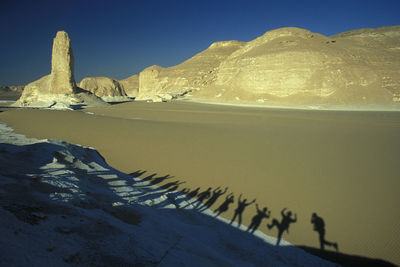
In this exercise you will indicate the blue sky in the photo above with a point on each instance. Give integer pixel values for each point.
(120, 38)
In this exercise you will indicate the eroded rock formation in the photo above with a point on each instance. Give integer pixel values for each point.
(288, 66)
(131, 85)
(58, 89)
(108, 89)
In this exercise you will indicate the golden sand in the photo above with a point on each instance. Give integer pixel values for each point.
(344, 165)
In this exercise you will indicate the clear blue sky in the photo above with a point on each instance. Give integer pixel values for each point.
(120, 38)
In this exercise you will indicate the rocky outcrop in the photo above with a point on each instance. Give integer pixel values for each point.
(131, 85)
(58, 89)
(11, 93)
(198, 72)
(108, 89)
(288, 66)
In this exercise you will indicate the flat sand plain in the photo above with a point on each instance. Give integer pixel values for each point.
(344, 165)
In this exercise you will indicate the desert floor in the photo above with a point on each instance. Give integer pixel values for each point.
(344, 165)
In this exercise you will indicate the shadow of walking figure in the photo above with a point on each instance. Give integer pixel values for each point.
(225, 205)
(319, 226)
(242, 204)
(217, 192)
(203, 196)
(283, 225)
(256, 220)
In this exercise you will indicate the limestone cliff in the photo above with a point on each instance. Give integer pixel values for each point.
(108, 89)
(58, 89)
(194, 74)
(288, 66)
(131, 85)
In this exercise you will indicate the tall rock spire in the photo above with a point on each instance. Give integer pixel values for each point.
(62, 65)
(58, 90)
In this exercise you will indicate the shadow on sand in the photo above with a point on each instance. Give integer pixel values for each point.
(206, 199)
(28, 187)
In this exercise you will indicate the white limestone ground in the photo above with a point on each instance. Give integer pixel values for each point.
(61, 204)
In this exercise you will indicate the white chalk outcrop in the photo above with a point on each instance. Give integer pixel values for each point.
(58, 89)
(108, 89)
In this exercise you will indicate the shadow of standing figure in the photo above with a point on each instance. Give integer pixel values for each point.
(203, 196)
(225, 205)
(319, 226)
(193, 193)
(217, 192)
(283, 225)
(256, 220)
(242, 204)
(158, 180)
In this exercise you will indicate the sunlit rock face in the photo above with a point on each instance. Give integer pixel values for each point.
(58, 89)
(291, 66)
(194, 74)
(106, 88)
(131, 85)
(62, 65)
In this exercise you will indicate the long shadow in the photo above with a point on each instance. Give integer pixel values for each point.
(241, 206)
(216, 193)
(346, 259)
(319, 227)
(115, 187)
(256, 220)
(158, 180)
(193, 193)
(283, 225)
(203, 196)
(137, 173)
(171, 186)
(229, 199)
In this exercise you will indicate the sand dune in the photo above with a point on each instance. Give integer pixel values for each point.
(343, 165)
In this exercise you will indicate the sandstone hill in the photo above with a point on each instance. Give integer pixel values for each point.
(108, 89)
(287, 66)
(58, 89)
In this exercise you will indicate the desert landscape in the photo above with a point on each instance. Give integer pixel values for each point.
(293, 121)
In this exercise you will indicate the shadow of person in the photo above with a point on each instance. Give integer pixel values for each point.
(242, 204)
(319, 227)
(149, 178)
(137, 173)
(256, 220)
(225, 205)
(283, 225)
(193, 193)
(175, 187)
(217, 192)
(161, 179)
(171, 184)
(203, 196)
